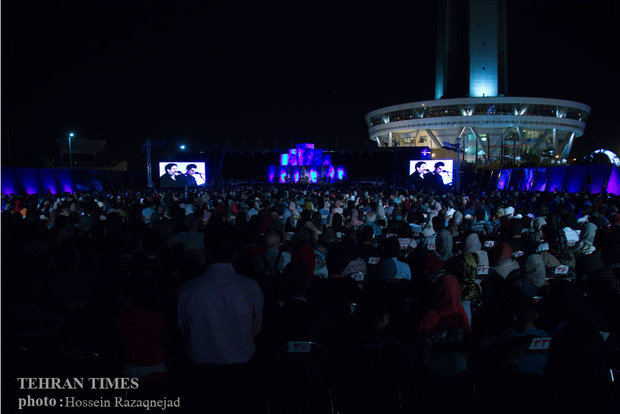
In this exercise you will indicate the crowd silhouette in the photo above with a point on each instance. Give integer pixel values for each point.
(319, 299)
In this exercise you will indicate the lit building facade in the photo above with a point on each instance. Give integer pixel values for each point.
(473, 105)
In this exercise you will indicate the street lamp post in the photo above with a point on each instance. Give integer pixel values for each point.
(71, 134)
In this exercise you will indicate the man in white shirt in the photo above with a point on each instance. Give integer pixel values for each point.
(219, 313)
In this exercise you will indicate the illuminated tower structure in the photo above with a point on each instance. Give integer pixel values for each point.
(471, 97)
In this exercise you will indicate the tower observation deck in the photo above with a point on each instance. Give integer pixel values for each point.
(473, 104)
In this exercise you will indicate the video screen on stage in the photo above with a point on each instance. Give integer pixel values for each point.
(426, 172)
(175, 174)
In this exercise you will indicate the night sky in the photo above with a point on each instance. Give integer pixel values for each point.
(202, 73)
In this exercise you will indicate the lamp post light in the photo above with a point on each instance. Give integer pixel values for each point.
(71, 135)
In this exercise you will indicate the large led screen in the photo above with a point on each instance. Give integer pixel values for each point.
(426, 172)
(175, 174)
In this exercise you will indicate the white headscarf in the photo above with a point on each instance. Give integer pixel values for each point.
(534, 270)
(381, 212)
(586, 239)
(428, 230)
(472, 245)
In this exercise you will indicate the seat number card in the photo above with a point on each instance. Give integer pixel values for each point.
(540, 344)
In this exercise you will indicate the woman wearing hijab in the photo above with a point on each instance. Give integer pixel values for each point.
(428, 232)
(468, 273)
(503, 263)
(436, 208)
(458, 217)
(534, 274)
(586, 240)
(381, 214)
(443, 245)
(292, 207)
(472, 245)
(446, 311)
(558, 246)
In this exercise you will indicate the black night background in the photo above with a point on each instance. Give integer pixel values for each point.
(267, 74)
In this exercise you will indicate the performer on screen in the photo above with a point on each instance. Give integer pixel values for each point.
(418, 178)
(435, 178)
(190, 180)
(172, 177)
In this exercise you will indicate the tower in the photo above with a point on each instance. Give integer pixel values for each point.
(471, 49)
(472, 105)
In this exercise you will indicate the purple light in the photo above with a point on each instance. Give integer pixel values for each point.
(575, 178)
(292, 156)
(540, 179)
(613, 185)
(272, 174)
(503, 180)
(9, 181)
(296, 176)
(599, 175)
(48, 181)
(556, 178)
(300, 156)
(66, 183)
(29, 179)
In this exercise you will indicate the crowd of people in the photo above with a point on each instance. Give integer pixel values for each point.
(331, 298)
